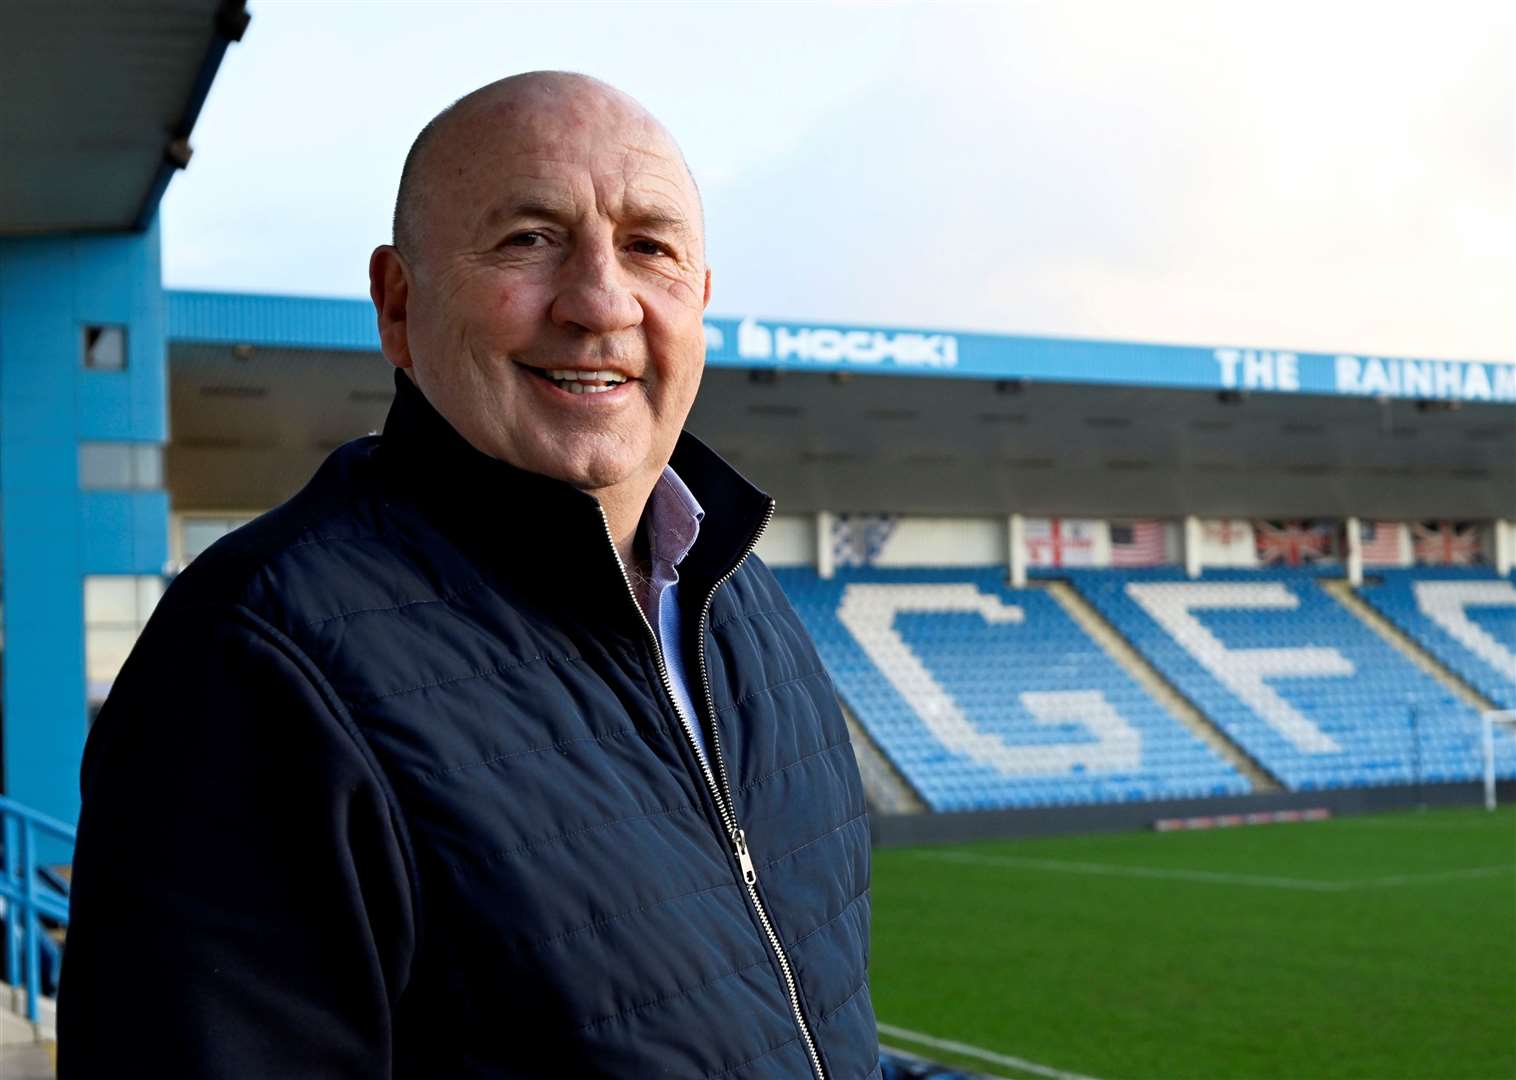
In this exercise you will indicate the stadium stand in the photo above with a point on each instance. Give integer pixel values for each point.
(1308, 690)
(986, 697)
(1463, 616)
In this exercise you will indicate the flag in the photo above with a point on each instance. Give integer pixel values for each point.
(1139, 543)
(857, 539)
(1446, 543)
(1293, 543)
(1227, 542)
(1382, 543)
(1063, 541)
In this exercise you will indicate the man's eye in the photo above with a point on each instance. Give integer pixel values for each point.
(524, 239)
(647, 247)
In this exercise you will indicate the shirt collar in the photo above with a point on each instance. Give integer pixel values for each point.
(675, 519)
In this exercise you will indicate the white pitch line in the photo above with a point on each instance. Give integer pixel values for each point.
(1438, 875)
(982, 1054)
(1209, 877)
(1160, 873)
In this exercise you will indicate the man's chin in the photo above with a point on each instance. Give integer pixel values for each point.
(594, 475)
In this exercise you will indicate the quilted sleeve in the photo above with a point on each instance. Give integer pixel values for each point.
(241, 901)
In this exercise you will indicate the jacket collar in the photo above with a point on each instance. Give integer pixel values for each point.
(499, 511)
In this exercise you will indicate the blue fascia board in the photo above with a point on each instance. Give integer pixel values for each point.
(287, 322)
(332, 324)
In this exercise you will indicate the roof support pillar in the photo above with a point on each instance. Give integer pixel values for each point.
(825, 555)
(1354, 533)
(1015, 538)
(1505, 546)
(1192, 539)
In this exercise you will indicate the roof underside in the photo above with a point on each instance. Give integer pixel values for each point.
(250, 425)
(96, 95)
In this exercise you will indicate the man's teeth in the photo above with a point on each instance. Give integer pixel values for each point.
(586, 382)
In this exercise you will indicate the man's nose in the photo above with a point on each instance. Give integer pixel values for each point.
(594, 294)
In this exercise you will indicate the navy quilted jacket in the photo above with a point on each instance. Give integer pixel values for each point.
(392, 786)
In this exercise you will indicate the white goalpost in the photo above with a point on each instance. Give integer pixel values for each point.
(1505, 718)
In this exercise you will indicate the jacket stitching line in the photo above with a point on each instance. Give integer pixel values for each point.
(370, 699)
(446, 598)
(843, 911)
(770, 688)
(450, 770)
(756, 1057)
(548, 841)
(863, 984)
(815, 840)
(827, 749)
(744, 617)
(338, 709)
(665, 999)
(662, 901)
(318, 540)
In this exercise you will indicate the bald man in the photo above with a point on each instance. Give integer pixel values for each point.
(494, 752)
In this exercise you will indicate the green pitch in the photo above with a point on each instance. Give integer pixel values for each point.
(1380, 947)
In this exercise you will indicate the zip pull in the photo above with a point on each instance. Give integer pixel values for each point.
(749, 874)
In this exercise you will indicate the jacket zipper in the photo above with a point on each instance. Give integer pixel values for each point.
(717, 782)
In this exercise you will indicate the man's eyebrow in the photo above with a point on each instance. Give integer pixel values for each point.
(655, 218)
(529, 207)
(637, 215)
(655, 215)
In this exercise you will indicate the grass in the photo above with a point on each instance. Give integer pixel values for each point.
(1379, 947)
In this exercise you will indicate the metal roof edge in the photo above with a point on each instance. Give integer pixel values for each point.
(230, 23)
(291, 322)
(348, 324)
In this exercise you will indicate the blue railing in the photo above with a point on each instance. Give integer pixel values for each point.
(28, 899)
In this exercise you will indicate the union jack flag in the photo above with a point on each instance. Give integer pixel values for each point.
(1446, 543)
(1292, 543)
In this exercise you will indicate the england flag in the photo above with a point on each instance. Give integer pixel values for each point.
(1227, 542)
(1066, 542)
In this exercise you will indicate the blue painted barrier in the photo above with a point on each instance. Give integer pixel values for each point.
(27, 898)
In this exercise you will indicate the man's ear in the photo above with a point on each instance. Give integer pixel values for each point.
(707, 301)
(389, 288)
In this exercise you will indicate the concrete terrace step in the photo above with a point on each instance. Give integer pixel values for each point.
(1402, 643)
(1160, 689)
(885, 790)
(15, 1028)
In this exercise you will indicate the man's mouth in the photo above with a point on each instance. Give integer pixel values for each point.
(577, 381)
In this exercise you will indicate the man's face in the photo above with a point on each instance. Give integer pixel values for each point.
(554, 311)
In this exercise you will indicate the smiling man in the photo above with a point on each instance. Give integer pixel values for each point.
(494, 752)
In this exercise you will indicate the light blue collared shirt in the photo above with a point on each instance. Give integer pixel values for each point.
(674, 516)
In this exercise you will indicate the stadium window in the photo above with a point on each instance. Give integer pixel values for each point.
(105, 347)
(198, 533)
(116, 608)
(120, 466)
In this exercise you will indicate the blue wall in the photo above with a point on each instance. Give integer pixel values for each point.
(51, 533)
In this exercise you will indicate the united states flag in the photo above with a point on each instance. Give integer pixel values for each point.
(1381, 543)
(1446, 543)
(1139, 543)
(1292, 543)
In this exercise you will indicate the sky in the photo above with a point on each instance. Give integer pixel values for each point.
(1325, 176)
